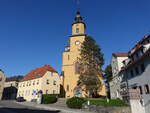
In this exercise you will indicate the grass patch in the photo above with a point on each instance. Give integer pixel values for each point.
(111, 103)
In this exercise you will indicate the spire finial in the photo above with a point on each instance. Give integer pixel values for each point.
(78, 5)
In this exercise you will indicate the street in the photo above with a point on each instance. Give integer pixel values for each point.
(12, 107)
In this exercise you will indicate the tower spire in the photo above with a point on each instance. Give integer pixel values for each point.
(78, 18)
(78, 5)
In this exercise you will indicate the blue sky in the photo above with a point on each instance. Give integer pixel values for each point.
(34, 32)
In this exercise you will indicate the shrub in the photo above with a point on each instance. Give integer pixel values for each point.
(57, 95)
(49, 99)
(112, 102)
(75, 102)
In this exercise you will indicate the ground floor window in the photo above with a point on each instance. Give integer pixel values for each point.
(46, 91)
(140, 89)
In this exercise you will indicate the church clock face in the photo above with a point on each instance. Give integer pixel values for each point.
(77, 43)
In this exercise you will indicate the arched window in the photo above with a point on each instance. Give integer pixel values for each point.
(77, 68)
(67, 87)
(77, 30)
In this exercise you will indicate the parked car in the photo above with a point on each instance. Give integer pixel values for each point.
(20, 99)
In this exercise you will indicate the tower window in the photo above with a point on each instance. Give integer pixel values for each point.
(67, 87)
(77, 68)
(68, 57)
(77, 30)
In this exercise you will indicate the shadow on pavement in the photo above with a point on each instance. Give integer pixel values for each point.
(24, 110)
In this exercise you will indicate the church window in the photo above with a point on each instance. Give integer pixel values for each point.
(68, 57)
(77, 70)
(77, 30)
(67, 87)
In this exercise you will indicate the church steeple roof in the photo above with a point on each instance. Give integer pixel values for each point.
(78, 18)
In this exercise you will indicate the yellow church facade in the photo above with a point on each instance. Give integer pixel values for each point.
(70, 57)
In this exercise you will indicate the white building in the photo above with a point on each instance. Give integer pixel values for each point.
(135, 77)
(138, 76)
(2, 81)
(117, 64)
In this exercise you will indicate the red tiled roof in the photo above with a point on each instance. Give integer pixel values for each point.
(120, 54)
(139, 44)
(39, 72)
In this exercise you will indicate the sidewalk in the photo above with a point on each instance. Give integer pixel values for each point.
(52, 107)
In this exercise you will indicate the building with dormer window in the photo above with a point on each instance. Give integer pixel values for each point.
(135, 77)
(138, 75)
(44, 79)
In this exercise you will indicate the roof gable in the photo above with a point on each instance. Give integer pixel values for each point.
(38, 73)
(120, 54)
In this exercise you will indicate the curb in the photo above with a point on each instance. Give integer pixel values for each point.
(45, 107)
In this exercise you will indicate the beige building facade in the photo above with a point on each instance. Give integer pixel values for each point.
(70, 57)
(2, 81)
(45, 79)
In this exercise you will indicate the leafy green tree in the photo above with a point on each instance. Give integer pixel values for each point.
(108, 77)
(108, 72)
(14, 78)
(90, 63)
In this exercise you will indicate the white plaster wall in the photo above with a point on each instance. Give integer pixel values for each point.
(141, 80)
(136, 106)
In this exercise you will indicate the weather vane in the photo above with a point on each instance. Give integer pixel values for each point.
(78, 5)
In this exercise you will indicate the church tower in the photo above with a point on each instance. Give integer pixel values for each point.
(70, 56)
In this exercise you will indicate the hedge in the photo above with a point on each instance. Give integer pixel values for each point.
(112, 103)
(49, 99)
(75, 102)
